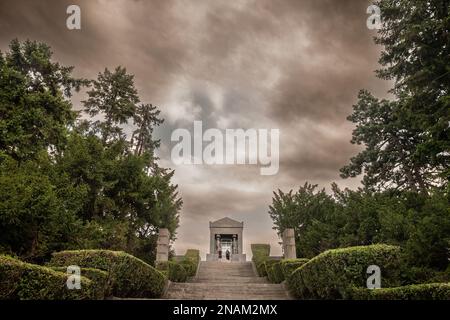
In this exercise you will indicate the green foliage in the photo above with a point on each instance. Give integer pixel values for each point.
(407, 140)
(20, 280)
(34, 219)
(334, 273)
(268, 267)
(34, 108)
(260, 253)
(130, 276)
(180, 271)
(313, 216)
(101, 282)
(416, 56)
(290, 265)
(177, 272)
(427, 291)
(274, 271)
(417, 222)
(113, 94)
(190, 261)
(68, 183)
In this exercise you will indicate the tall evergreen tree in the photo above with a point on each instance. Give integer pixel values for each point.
(34, 106)
(408, 141)
(114, 97)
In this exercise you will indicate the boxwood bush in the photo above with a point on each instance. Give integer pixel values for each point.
(130, 276)
(290, 265)
(101, 281)
(274, 271)
(333, 274)
(20, 280)
(177, 272)
(427, 291)
(260, 254)
(190, 261)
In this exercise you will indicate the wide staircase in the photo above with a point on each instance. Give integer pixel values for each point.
(226, 280)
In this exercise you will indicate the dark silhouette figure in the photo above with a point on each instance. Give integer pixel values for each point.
(220, 253)
(227, 254)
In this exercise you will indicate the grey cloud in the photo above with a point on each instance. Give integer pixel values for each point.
(296, 65)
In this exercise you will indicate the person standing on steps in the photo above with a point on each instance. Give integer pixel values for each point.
(227, 254)
(220, 254)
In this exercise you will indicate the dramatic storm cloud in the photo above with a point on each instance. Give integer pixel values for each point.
(293, 65)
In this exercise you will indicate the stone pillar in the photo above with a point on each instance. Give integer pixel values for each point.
(235, 247)
(162, 245)
(288, 238)
(217, 243)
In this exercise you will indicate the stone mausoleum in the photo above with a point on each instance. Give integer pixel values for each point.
(226, 234)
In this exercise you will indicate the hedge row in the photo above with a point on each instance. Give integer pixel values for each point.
(130, 276)
(334, 274)
(427, 291)
(20, 280)
(274, 271)
(279, 270)
(260, 254)
(179, 271)
(190, 261)
(288, 266)
(174, 270)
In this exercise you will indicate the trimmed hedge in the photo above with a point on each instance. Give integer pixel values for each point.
(20, 280)
(190, 261)
(260, 254)
(290, 265)
(131, 277)
(101, 282)
(274, 271)
(427, 291)
(333, 274)
(177, 272)
(174, 270)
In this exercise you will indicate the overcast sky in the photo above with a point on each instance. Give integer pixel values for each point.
(293, 65)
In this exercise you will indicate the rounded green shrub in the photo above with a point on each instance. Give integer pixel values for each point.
(176, 272)
(290, 265)
(276, 273)
(130, 276)
(190, 261)
(260, 254)
(20, 280)
(268, 266)
(101, 281)
(333, 274)
(426, 291)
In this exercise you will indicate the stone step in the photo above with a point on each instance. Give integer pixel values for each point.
(226, 291)
(223, 279)
(226, 287)
(230, 296)
(226, 274)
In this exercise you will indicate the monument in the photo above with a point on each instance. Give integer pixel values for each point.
(226, 234)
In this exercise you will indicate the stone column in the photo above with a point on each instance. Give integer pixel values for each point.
(288, 238)
(217, 243)
(162, 245)
(235, 248)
